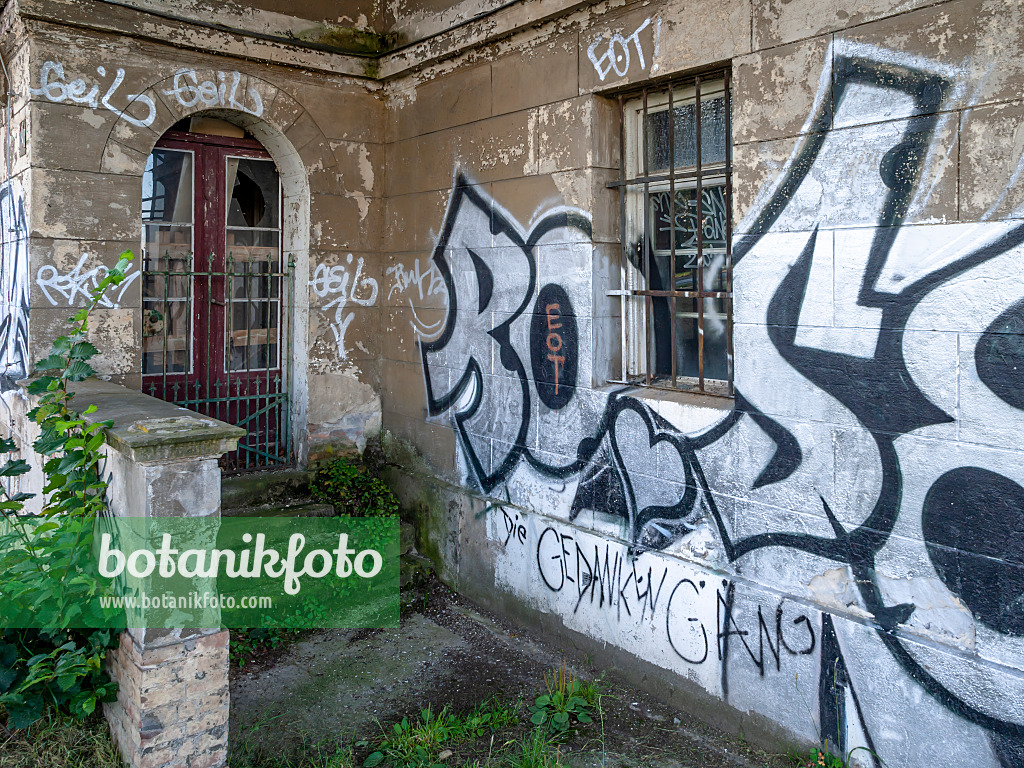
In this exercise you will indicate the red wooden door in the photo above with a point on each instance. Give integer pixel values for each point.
(214, 289)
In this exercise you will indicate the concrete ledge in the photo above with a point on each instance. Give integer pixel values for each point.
(146, 429)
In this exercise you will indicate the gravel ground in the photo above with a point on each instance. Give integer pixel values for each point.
(350, 685)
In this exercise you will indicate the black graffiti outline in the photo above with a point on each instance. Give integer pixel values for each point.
(859, 547)
(833, 682)
(668, 625)
(784, 462)
(463, 190)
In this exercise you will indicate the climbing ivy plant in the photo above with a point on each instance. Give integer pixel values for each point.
(46, 559)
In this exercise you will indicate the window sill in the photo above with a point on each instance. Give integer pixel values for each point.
(689, 412)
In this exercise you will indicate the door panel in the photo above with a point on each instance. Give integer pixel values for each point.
(215, 290)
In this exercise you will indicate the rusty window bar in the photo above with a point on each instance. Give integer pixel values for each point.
(728, 301)
(703, 292)
(672, 224)
(645, 241)
(623, 255)
(700, 243)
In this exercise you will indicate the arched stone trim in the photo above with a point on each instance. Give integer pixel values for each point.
(295, 143)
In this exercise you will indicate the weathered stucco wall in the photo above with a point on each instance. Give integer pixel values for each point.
(837, 552)
(96, 103)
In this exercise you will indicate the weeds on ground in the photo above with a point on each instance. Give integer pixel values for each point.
(823, 758)
(430, 739)
(421, 742)
(492, 715)
(353, 490)
(446, 739)
(59, 741)
(306, 756)
(249, 643)
(568, 702)
(540, 750)
(249, 752)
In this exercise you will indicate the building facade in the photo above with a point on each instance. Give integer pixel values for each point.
(694, 327)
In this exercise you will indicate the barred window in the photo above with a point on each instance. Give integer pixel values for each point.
(676, 268)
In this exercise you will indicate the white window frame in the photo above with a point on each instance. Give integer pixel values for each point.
(636, 330)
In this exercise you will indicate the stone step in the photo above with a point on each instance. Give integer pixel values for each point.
(278, 488)
(294, 509)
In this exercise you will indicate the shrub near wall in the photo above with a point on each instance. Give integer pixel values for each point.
(46, 562)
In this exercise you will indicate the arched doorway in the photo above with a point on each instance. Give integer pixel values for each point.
(216, 288)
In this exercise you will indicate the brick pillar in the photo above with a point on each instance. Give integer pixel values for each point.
(172, 701)
(172, 698)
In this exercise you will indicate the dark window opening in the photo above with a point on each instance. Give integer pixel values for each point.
(676, 202)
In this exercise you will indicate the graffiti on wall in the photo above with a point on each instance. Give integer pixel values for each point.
(138, 108)
(428, 284)
(615, 54)
(54, 85)
(342, 287)
(190, 91)
(864, 440)
(14, 354)
(79, 282)
(488, 263)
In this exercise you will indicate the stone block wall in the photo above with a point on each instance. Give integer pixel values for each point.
(835, 552)
(176, 689)
(832, 549)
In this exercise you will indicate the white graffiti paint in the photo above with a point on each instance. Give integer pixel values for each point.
(14, 286)
(138, 108)
(54, 86)
(428, 283)
(343, 287)
(79, 282)
(615, 53)
(190, 92)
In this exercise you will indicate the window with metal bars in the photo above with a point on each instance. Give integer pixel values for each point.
(675, 187)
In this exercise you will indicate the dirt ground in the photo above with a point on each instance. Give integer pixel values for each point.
(350, 685)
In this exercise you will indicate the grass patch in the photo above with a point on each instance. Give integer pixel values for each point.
(495, 733)
(423, 741)
(539, 750)
(245, 751)
(60, 741)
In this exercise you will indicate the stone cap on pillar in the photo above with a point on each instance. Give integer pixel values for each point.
(146, 429)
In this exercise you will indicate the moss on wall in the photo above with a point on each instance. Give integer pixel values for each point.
(349, 40)
(422, 497)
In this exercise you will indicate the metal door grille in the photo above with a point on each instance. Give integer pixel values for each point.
(218, 343)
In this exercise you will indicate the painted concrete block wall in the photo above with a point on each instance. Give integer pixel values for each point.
(95, 103)
(14, 266)
(836, 553)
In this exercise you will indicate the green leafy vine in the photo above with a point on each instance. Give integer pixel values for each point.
(49, 581)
